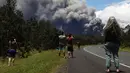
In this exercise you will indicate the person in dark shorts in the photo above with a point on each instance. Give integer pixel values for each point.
(11, 53)
(112, 33)
(70, 45)
(11, 56)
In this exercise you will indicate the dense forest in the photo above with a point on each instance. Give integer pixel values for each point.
(33, 34)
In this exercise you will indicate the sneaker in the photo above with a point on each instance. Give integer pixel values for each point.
(108, 70)
(117, 70)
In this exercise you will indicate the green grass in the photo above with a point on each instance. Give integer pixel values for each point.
(45, 62)
(125, 49)
(122, 49)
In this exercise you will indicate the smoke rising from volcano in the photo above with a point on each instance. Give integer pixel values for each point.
(73, 15)
(2, 2)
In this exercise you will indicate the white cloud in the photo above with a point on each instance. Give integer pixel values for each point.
(120, 10)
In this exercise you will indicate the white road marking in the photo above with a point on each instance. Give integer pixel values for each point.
(105, 58)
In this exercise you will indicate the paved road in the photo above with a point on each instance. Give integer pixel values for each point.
(86, 62)
(98, 50)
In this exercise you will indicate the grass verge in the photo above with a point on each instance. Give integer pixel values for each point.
(122, 49)
(44, 62)
(125, 49)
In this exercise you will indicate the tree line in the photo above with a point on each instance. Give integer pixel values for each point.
(31, 33)
(99, 39)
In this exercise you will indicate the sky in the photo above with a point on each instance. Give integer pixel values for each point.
(120, 9)
(101, 4)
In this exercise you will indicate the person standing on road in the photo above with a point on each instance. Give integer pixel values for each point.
(70, 46)
(78, 44)
(112, 33)
(62, 42)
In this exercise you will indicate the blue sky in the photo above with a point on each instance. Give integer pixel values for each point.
(101, 4)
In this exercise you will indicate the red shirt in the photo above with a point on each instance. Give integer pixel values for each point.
(69, 40)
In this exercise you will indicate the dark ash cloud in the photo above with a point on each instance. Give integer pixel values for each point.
(72, 15)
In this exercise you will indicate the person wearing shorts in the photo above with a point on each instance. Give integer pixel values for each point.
(70, 46)
(61, 47)
(11, 53)
(11, 56)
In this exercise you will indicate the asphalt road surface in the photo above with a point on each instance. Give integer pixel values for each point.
(92, 60)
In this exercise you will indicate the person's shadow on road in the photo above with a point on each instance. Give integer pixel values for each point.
(73, 57)
(113, 71)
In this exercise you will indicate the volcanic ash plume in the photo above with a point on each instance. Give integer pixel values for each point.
(94, 27)
(72, 15)
(2, 2)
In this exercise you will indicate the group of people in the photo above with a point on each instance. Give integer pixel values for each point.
(66, 42)
(111, 32)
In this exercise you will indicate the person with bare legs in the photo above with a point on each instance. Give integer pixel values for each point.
(70, 46)
(11, 52)
(62, 42)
